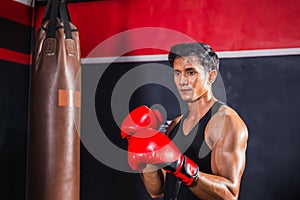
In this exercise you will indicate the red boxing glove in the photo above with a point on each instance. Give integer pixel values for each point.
(159, 150)
(141, 117)
(146, 145)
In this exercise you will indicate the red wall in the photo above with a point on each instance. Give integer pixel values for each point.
(226, 25)
(16, 28)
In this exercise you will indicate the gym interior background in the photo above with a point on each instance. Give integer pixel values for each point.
(259, 46)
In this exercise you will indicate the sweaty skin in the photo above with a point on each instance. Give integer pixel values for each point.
(226, 135)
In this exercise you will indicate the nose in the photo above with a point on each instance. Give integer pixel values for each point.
(183, 80)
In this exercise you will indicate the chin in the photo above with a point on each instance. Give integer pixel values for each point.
(187, 99)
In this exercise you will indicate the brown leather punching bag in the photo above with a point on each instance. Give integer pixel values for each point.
(53, 159)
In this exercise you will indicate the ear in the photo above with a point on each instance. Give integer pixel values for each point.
(212, 76)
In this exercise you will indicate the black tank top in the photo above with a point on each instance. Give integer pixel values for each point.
(194, 146)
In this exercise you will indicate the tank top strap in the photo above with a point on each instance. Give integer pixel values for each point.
(198, 148)
(198, 151)
(215, 107)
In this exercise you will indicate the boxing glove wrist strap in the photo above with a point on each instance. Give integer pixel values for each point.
(184, 169)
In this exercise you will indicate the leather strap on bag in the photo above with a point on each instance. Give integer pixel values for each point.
(65, 17)
(57, 9)
(52, 8)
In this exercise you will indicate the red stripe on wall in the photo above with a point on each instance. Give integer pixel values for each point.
(14, 56)
(16, 12)
(227, 25)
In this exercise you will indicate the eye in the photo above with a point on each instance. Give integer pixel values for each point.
(176, 73)
(190, 72)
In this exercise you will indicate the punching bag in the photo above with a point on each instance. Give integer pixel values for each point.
(53, 159)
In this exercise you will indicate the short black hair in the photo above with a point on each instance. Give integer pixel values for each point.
(207, 57)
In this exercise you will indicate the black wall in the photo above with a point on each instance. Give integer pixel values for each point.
(14, 80)
(13, 131)
(264, 91)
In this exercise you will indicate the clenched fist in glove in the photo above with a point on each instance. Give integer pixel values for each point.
(146, 145)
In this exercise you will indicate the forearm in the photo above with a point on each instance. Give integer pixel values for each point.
(154, 182)
(215, 187)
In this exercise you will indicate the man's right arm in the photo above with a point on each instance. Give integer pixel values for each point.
(153, 178)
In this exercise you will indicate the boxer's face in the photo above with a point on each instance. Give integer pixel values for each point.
(191, 79)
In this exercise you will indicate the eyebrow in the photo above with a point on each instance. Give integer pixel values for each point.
(186, 69)
(189, 68)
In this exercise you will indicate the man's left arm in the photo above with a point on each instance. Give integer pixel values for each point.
(227, 136)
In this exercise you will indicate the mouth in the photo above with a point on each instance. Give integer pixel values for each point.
(185, 90)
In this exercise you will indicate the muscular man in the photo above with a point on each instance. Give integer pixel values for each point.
(206, 157)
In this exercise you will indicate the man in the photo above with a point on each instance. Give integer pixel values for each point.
(206, 157)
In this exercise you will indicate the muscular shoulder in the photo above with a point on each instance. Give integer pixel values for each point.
(173, 124)
(226, 126)
(230, 117)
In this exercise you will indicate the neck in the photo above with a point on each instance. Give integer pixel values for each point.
(201, 105)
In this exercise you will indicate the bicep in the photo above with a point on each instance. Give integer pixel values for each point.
(228, 154)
